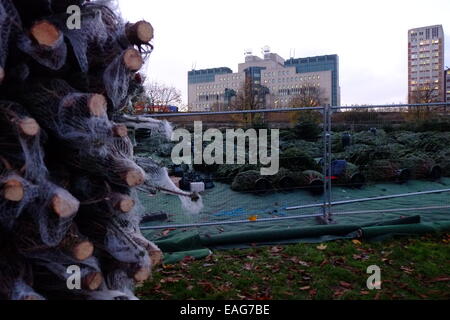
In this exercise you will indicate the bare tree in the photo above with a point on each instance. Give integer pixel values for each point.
(422, 94)
(308, 95)
(159, 94)
(250, 96)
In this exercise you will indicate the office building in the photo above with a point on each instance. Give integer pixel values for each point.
(279, 79)
(426, 63)
(447, 85)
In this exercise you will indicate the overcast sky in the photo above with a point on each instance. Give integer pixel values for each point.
(370, 37)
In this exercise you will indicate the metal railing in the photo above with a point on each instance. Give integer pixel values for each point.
(326, 207)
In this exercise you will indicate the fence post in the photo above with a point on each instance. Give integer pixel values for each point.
(327, 156)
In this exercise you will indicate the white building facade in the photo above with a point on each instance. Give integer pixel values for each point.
(212, 89)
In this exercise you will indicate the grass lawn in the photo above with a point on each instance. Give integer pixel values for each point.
(411, 268)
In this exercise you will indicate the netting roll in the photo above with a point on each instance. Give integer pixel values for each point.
(52, 272)
(12, 269)
(64, 111)
(20, 146)
(46, 45)
(15, 287)
(117, 76)
(119, 281)
(81, 121)
(157, 179)
(100, 196)
(74, 243)
(65, 86)
(22, 291)
(5, 28)
(96, 44)
(9, 28)
(113, 238)
(16, 195)
(53, 212)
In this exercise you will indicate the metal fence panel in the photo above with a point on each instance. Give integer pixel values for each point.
(378, 145)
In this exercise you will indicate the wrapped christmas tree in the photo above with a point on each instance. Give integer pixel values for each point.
(69, 213)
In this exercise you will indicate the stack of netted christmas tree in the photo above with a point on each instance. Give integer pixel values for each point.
(68, 179)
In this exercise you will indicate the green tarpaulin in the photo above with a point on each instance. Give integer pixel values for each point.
(223, 204)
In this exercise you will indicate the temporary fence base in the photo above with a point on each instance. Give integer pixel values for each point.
(179, 245)
(326, 214)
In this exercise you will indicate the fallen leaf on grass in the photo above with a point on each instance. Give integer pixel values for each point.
(223, 288)
(248, 266)
(298, 261)
(339, 292)
(364, 293)
(275, 269)
(207, 286)
(339, 261)
(276, 249)
(322, 247)
(356, 242)
(305, 288)
(157, 287)
(441, 279)
(345, 284)
(407, 269)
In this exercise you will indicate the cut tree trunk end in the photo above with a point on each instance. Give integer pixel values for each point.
(13, 190)
(120, 130)
(45, 33)
(64, 204)
(140, 32)
(97, 105)
(133, 60)
(92, 281)
(29, 127)
(2, 75)
(156, 256)
(77, 244)
(133, 178)
(142, 274)
(83, 250)
(122, 202)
